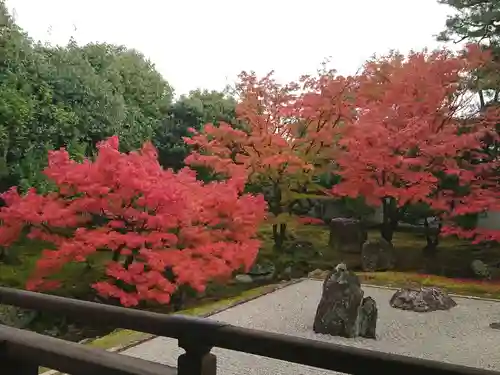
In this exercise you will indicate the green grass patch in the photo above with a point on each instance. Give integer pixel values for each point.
(26, 255)
(76, 277)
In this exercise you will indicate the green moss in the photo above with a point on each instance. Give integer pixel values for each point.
(15, 275)
(119, 338)
(76, 277)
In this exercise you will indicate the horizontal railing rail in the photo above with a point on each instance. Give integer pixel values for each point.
(23, 352)
(198, 336)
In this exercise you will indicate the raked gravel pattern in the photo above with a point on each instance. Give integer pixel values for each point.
(461, 335)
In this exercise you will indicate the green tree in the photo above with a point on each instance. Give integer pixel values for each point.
(21, 131)
(477, 21)
(110, 89)
(72, 96)
(145, 93)
(191, 111)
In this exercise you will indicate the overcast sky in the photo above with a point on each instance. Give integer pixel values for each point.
(200, 43)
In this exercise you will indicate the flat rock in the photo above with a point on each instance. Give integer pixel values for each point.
(422, 300)
(243, 278)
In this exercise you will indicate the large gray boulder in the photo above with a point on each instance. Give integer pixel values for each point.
(347, 235)
(422, 300)
(342, 310)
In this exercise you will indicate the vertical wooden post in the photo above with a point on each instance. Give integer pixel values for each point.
(197, 360)
(12, 366)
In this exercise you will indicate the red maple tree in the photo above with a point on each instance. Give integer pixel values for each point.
(480, 186)
(410, 133)
(288, 136)
(163, 229)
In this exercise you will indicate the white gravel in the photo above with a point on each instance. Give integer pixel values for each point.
(461, 335)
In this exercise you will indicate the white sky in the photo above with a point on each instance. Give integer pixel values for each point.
(200, 43)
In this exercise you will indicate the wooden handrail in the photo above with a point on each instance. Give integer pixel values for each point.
(33, 350)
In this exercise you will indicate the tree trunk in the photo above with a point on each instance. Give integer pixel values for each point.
(390, 219)
(128, 261)
(276, 208)
(481, 99)
(116, 255)
(178, 299)
(279, 235)
(9, 257)
(432, 238)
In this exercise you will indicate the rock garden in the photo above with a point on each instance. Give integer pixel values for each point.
(116, 191)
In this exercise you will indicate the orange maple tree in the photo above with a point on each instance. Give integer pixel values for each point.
(289, 133)
(162, 229)
(411, 134)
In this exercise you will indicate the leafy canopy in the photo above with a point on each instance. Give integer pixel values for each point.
(415, 130)
(190, 111)
(287, 137)
(162, 229)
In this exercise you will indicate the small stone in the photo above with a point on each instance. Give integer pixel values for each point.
(262, 271)
(481, 269)
(317, 274)
(377, 255)
(17, 317)
(301, 246)
(244, 279)
(495, 325)
(342, 311)
(422, 300)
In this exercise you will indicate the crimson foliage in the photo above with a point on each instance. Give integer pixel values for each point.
(162, 229)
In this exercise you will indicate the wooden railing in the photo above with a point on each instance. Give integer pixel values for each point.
(23, 352)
